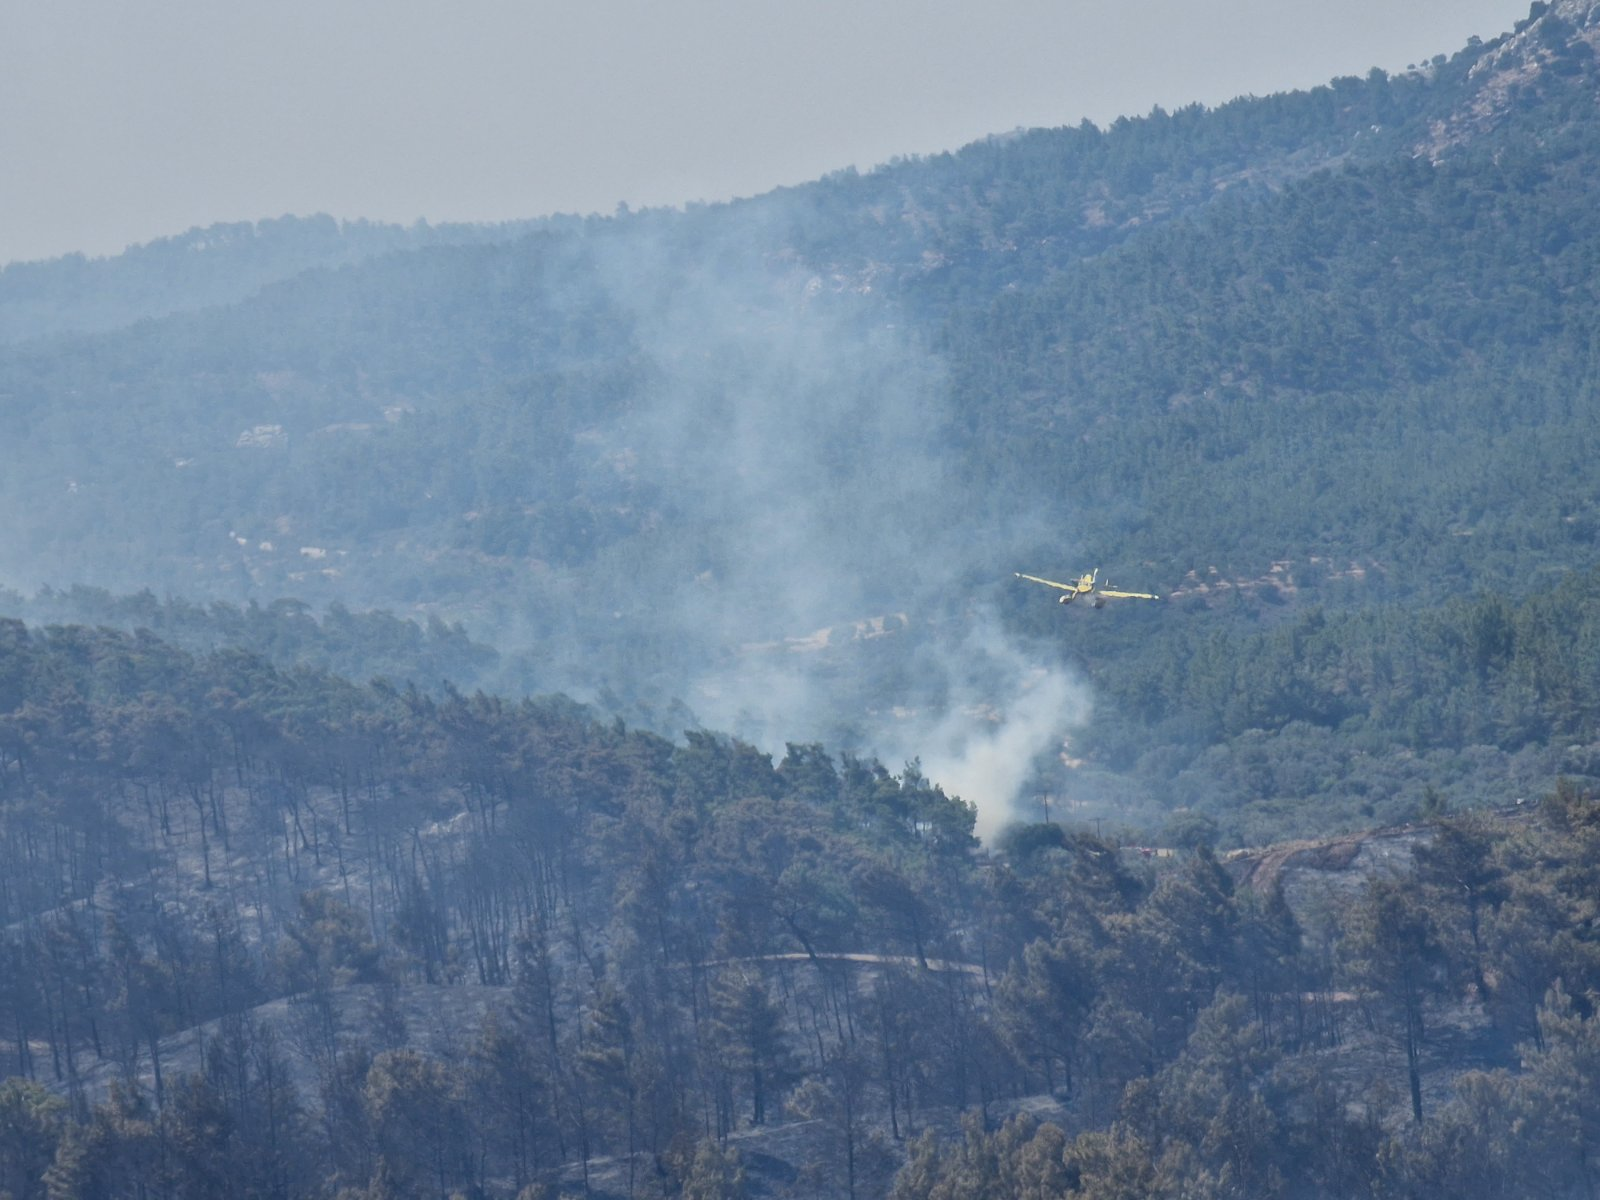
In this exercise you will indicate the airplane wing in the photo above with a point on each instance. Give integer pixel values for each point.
(1126, 595)
(1065, 587)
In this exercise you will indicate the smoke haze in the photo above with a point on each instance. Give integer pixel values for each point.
(737, 480)
(841, 567)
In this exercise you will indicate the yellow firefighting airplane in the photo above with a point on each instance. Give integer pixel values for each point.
(1088, 585)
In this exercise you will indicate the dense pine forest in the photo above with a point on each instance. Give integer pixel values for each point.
(1325, 356)
(547, 709)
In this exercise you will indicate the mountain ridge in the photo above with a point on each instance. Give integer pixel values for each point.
(620, 449)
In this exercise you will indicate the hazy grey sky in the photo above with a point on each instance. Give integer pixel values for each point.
(124, 122)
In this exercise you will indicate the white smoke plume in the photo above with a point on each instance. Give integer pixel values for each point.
(987, 742)
(834, 588)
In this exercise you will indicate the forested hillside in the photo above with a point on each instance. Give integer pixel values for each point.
(286, 633)
(548, 709)
(272, 933)
(200, 269)
(768, 466)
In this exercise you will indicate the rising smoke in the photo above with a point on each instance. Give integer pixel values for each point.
(785, 542)
(835, 590)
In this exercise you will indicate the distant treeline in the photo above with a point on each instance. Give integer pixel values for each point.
(366, 644)
(1369, 710)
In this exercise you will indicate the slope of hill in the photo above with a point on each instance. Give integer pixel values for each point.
(202, 268)
(271, 932)
(1337, 341)
(1319, 368)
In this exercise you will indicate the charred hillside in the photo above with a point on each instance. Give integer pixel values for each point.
(277, 933)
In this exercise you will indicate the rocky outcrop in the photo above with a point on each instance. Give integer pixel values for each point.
(1560, 39)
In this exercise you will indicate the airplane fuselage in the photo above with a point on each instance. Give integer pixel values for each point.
(1087, 585)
